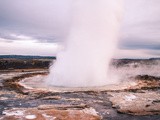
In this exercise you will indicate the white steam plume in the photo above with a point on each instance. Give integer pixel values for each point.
(90, 44)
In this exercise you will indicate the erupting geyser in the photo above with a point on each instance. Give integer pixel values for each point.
(90, 44)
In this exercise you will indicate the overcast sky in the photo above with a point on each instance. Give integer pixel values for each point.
(37, 27)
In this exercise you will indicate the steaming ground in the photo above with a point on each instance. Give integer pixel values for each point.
(124, 71)
(90, 44)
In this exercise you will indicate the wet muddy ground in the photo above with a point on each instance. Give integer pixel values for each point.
(21, 99)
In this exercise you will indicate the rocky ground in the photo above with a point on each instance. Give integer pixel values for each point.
(139, 101)
(24, 96)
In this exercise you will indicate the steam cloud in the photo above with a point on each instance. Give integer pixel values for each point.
(90, 44)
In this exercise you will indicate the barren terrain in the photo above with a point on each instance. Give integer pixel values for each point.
(24, 95)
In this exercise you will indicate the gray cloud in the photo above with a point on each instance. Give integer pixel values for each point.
(142, 36)
(137, 43)
(141, 26)
(49, 21)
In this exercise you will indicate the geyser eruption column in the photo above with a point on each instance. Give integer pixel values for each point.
(90, 44)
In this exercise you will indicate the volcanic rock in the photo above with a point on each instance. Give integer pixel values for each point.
(50, 114)
(147, 103)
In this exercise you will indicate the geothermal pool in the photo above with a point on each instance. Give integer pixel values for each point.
(38, 82)
(133, 75)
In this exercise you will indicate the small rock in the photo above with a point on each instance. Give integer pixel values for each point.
(14, 112)
(30, 117)
(130, 97)
(3, 98)
(52, 98)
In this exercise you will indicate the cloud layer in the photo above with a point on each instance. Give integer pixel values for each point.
(48, 21)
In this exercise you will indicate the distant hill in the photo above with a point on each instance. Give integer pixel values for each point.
(138, 59)
(25, 57)
(53, 57)
(154, 58)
